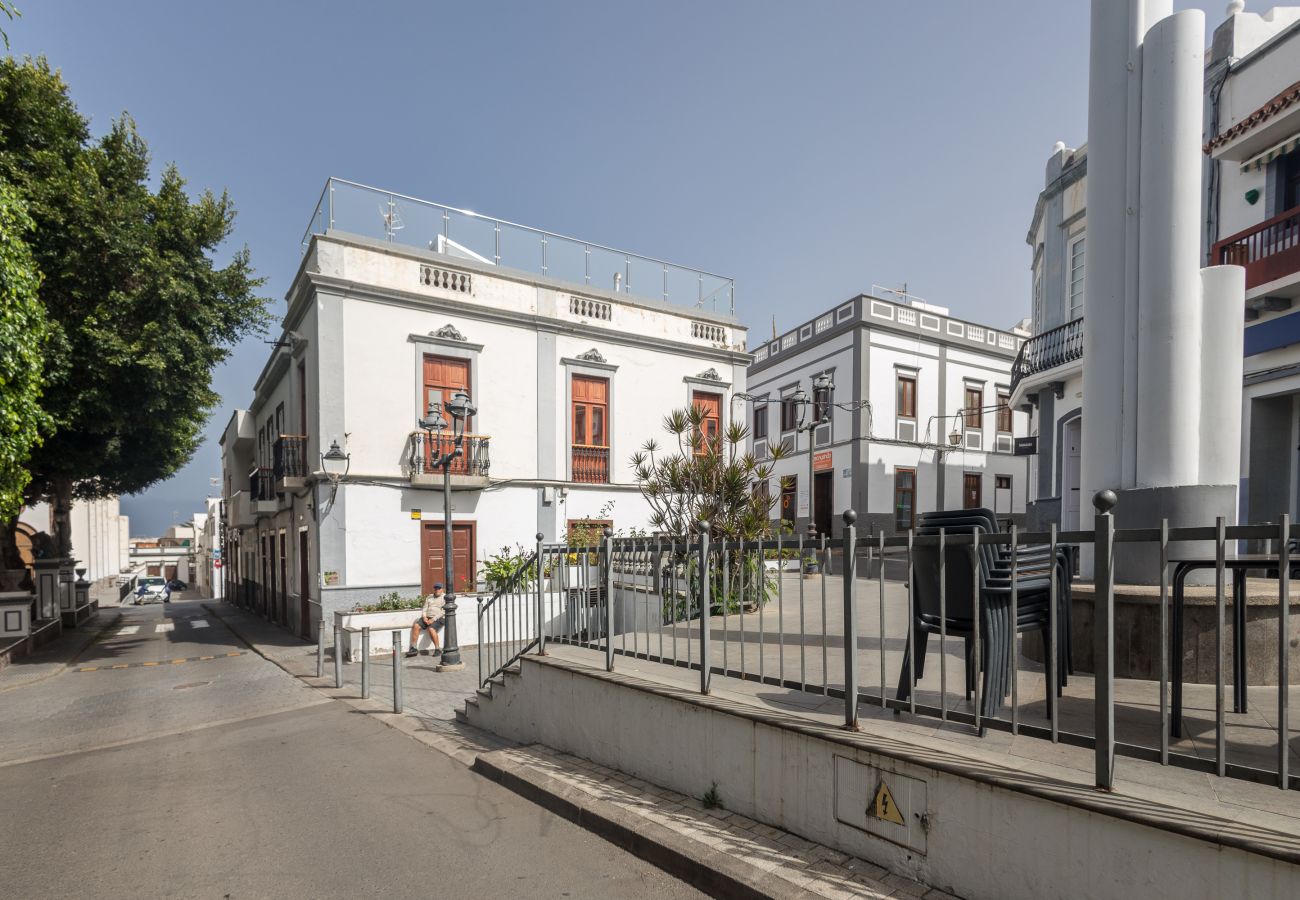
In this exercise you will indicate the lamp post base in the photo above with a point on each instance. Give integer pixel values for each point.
(449, 667)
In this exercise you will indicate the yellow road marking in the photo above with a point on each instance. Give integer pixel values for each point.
(173, 662)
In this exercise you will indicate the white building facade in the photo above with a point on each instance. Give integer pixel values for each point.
(571, 367)
(918, 417)
(99, 534)
(1250, 217)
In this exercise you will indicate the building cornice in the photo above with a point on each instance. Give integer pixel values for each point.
(411, 300)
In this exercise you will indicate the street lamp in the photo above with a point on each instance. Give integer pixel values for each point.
(821, 414)
(461, 409)
(335, 463)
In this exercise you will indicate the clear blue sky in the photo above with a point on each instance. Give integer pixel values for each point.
(807, 149)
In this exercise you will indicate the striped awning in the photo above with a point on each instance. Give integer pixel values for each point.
(1260, 160)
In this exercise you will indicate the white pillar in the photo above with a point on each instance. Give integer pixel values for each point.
(1110, 290)
(1223, 363)
(1169, 282)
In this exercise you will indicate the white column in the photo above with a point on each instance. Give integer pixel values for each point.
(1109, 322)
(1222, 365)
(1169, 282)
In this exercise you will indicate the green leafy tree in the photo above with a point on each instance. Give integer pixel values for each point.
(140, 313)
(705, 478)
(23, 334)
(709, 478)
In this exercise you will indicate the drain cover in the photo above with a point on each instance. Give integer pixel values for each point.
(192, 684)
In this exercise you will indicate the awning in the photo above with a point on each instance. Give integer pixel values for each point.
(1260, 160)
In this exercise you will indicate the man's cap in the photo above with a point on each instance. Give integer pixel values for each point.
(437, 586)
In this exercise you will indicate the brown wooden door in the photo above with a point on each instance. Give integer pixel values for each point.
(710, 405)
(304, 589)
(169, 572)
(462, 555)
(971, 493)
(444, 376)
(284, 582)
(823, 501)
(590, 438)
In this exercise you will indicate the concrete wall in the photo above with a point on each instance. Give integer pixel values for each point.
(966, 833)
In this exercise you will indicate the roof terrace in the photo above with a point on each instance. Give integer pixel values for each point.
(384, 215)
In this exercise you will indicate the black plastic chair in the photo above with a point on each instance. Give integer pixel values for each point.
(965, 573)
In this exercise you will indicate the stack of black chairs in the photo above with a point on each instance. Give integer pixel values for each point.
(988, 571)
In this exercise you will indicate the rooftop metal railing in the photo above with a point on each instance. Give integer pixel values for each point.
(736, 605)
(396, 218)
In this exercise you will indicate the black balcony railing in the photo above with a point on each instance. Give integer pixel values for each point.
(1048, 350)
(427, 448)
(261, 484)
(591, 465)
(290, 456)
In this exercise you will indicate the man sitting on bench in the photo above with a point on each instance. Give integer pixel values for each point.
(431, 619)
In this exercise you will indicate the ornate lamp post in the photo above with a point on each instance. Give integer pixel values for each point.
(821, 414)
(461, 409)
(335, 463)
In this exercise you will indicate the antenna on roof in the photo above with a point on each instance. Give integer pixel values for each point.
(774, 328)
(392, 218)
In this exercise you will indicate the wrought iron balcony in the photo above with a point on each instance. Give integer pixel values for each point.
(426, 449)
(290, 457)
(591, 465)
(1269, 250)
(1048, 350)
(261, 485)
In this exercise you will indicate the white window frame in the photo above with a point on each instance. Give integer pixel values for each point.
(1074, 301)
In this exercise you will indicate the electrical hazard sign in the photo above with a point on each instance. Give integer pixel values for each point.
(883, 803)
(883, 806)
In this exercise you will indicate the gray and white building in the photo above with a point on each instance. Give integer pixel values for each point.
(918, 418)
(1250, 216)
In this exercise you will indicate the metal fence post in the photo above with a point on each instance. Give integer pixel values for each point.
(365, 663)
(338, 659)
(541, 612)
(320, 648)
(397, 670)
(607, 546)
(850, 576)
(705, 608)
(1104, 637)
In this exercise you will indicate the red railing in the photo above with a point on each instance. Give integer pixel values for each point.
(591, 465)
(426, 449)
(1269, 250)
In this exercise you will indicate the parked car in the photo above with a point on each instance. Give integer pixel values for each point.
(151, 589)
(177, 585)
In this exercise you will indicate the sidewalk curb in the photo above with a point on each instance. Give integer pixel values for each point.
(88, 638)
(716, 873)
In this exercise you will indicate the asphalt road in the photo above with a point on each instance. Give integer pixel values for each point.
(149, 770)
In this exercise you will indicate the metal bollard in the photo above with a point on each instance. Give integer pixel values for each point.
(338, 658)
(320, 650)
(365, 663)
(397, 671)
(850, 620)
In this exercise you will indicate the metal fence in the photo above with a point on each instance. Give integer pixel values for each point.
(743, 607)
